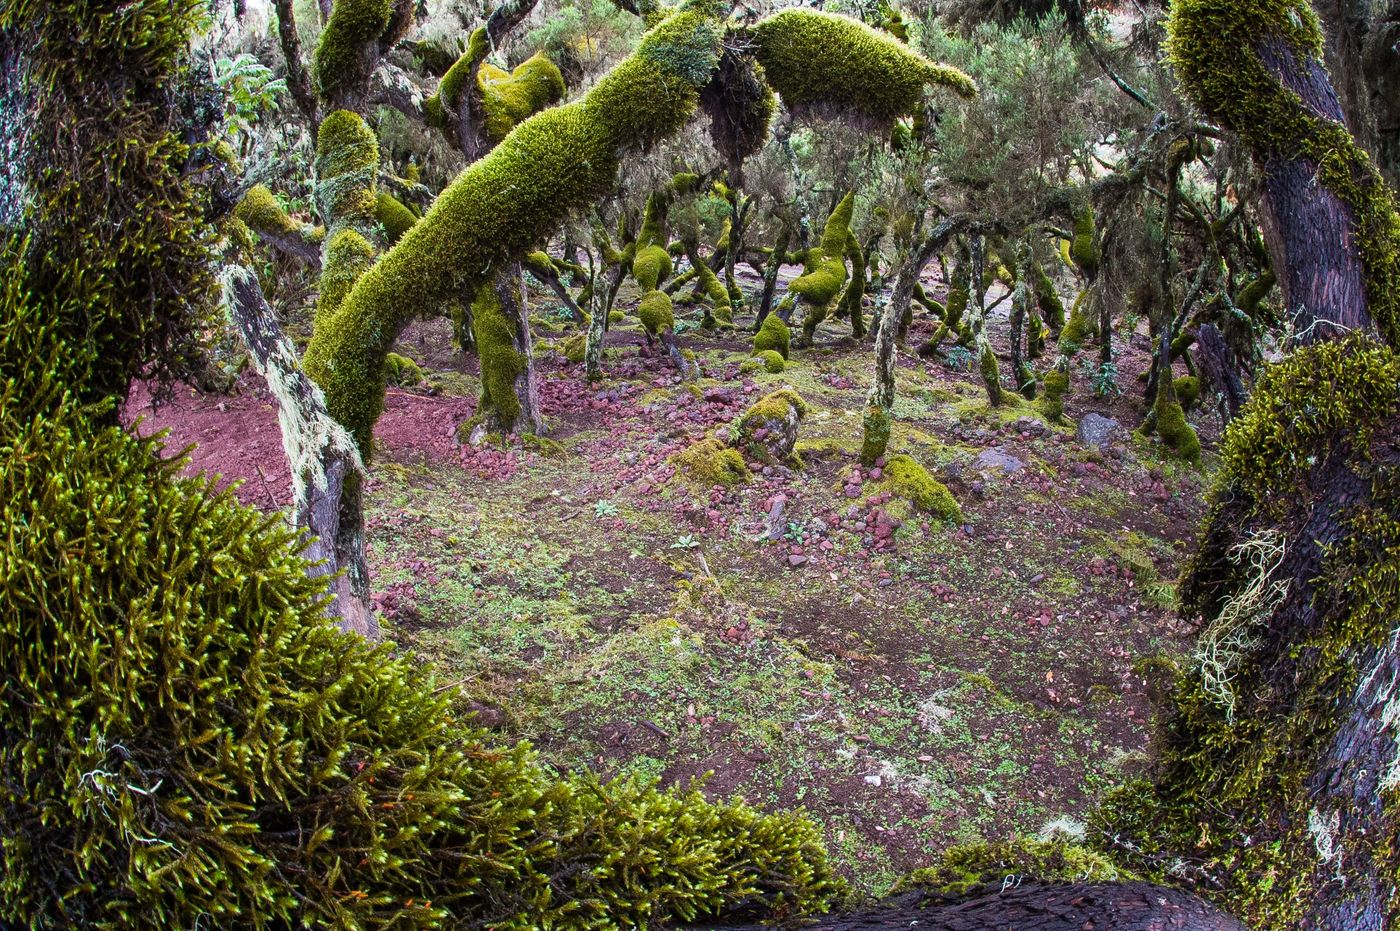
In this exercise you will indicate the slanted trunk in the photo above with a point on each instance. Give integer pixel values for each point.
(327, 475)
(1131, 906)
(770, 274)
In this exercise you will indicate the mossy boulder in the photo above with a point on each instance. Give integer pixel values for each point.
(907, 479)
(768, 429)
(710, 462)
(969, 869)
(768, 360)
(402, 371)
(774, 335)
(575, 347)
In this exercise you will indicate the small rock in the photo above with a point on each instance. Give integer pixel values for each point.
(998, 458)
(796, 560)
(1096, 430)
(876, 473)
(885, 583)
(852, 491)
(872, 780)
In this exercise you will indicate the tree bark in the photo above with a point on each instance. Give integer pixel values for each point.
(1130, 906)
(327, 475)
(298, 80)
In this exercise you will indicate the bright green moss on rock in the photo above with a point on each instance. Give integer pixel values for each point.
(905, 477)
(656, 313)
(774, 335)
(817, 60)
(768, 429)
(393, 216)
(501, 362)
(709, 462)
(402, 371)
(771, 360)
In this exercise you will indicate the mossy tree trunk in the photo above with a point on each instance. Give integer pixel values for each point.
(327, 475)
(977, 318)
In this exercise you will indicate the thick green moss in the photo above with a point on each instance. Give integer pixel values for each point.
(1052, 400)
(1079, 327)
(353, 24)
(875, 434)
(1176, 433)
(1188, 390)
(970, 869)
(771, 360)
(347, 159)
(1083, 250)
(260, 210)
(402, 371)
(651, 267)
(348, 256)
(393, 216)
(906, 478)
(825, 271)
(501, 363)
(821, 60)
(775, 406)
(575, 348)
(508, 98)
(774, 335)
(656, 313)
(1253, 719)
(1213, 48)
(991, 374)
(710, 462)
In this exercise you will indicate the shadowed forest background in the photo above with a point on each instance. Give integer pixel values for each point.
(587, 465)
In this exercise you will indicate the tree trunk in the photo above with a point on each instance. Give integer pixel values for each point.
(770, 274)
(327, 475)
(298, 80)
(1130, 906)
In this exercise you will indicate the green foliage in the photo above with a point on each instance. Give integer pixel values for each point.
(109, 175)
(905, 477)
(709, 462)
(983, 866)
(575, 348)
(1213, 47)
(818, 60)
(250, 91)
(773, 335)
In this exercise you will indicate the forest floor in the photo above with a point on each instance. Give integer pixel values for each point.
(914, 684)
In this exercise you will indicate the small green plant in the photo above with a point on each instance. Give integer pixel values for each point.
(604, 509)
(686, 542)
(1104, 384)
(957, 358)
(795, 531)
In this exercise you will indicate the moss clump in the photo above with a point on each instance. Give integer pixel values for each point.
(393, 216)
(768, 429)
(1079, 327)
(260, 210)
(969, 869)
(1083, 249)
(575, 347)
(909, 480)
(656, 313)
(818, 60)
(1188, 390)
(651, 267)
(1052, 309)
(771, 360)
(875, 433)
(501, 362)
(1052, 400)
(616, 316)
(509, 98)
(1175, 432)
(826, 266)
(402, 371)
(776, 405)
(991, 374)
(773, 336)
(710, 462)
